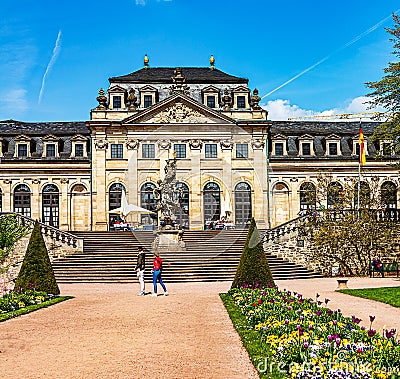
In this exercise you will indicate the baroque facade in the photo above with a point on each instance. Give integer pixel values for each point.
(231, 160)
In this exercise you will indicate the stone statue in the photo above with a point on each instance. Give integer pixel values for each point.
(168, 196)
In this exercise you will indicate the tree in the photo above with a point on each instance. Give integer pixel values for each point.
(11, 231)
(36, 269)
(386, 92)
(253, 266)
(353, 229)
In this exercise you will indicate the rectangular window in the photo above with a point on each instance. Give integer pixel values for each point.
(50, 150)
(148, 101)
(116, 102)
(211, 101)
(333, 150)
(79, 150)
(306, 148)
(241, 102)
(117, 150)
(180, 149)
(23, 150)
(357, 148)
(148, 150)
(242, 150)
(211, 150)
(278, 148)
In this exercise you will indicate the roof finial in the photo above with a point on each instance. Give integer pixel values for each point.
(146, 61)
(212, 62)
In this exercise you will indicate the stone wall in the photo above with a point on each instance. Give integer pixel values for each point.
(56, 250)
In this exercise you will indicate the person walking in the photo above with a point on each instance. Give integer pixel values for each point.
(140, 266)
(157, 270)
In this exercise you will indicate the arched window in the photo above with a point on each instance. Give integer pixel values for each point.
(22, 200)
(114, 202)
(50, 205)
(243, 211)
(334, 195)
(182, 216)
(148, 201)
(114, 195)
(389, 195)
(308, 197)
(211, 203)
(365, 195)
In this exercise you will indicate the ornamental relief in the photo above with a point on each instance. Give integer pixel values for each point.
(195, 144)
(164, 144)
(179, 112)
(226, 144)
(132, 144)
(101, 144)
(257, 143)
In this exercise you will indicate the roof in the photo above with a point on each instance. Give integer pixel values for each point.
(12, 127)
(298, 128)
(165, 74)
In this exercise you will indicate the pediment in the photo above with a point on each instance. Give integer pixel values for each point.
(306, 137)
(179, 108)
(148, 89)
(332, 137)
(50, 137)
(78, 137)
(241, 89)
(22, 137)
(116, 89)
(279, 137)
(210, 89)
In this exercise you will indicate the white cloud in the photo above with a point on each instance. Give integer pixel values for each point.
(13, 101)
(143, 2)
(281, 109)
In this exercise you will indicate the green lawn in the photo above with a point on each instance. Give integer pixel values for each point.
(32, 308)
(388, 295)
(257, 349)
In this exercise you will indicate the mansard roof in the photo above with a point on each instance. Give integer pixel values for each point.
(192, 74)
(12, 127)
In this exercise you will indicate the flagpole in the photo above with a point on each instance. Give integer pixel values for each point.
(359, 174)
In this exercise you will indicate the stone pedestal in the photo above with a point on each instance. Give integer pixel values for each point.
(169, 241)
(342, 283)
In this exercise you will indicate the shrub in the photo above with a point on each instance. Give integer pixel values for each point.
(36, 268)
(253, 269)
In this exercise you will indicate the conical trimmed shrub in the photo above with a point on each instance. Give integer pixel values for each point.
(36, 268)
(253, 268)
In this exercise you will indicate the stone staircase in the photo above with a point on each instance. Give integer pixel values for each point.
(209, 256)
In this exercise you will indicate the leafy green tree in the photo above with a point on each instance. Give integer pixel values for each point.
(353, 229)
(386, 92)
(36, 268)
(11, 231)
(253, 267)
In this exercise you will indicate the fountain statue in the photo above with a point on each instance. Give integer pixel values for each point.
(168, 197)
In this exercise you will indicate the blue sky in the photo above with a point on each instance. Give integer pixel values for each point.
(55, 55)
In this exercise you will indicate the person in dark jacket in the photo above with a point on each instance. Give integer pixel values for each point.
(140, 266)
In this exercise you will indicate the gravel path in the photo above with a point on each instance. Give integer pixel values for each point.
(107, 331)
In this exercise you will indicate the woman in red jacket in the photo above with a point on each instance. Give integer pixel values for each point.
(157, 270)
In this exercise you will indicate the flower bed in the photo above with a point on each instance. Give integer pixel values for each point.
(17, 303)
(308, 340)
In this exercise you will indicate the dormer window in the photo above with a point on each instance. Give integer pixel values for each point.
(356, 146)
(148, 96)
(117, 102)
(22, 146)
(279, 145)
(147, 101)
(241, 98)
(333, 145)
(210, 101)
(1, 147)
(211, 96)
(117, 96)
(50, 150)
(22, 150)
(79, 146)
(306, 145)
(386, 148)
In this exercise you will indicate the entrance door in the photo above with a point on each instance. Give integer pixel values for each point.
(50, 205)
(242, 205)
(211, 203)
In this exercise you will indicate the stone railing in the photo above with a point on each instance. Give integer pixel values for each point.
(287, 229)
(47, 230)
